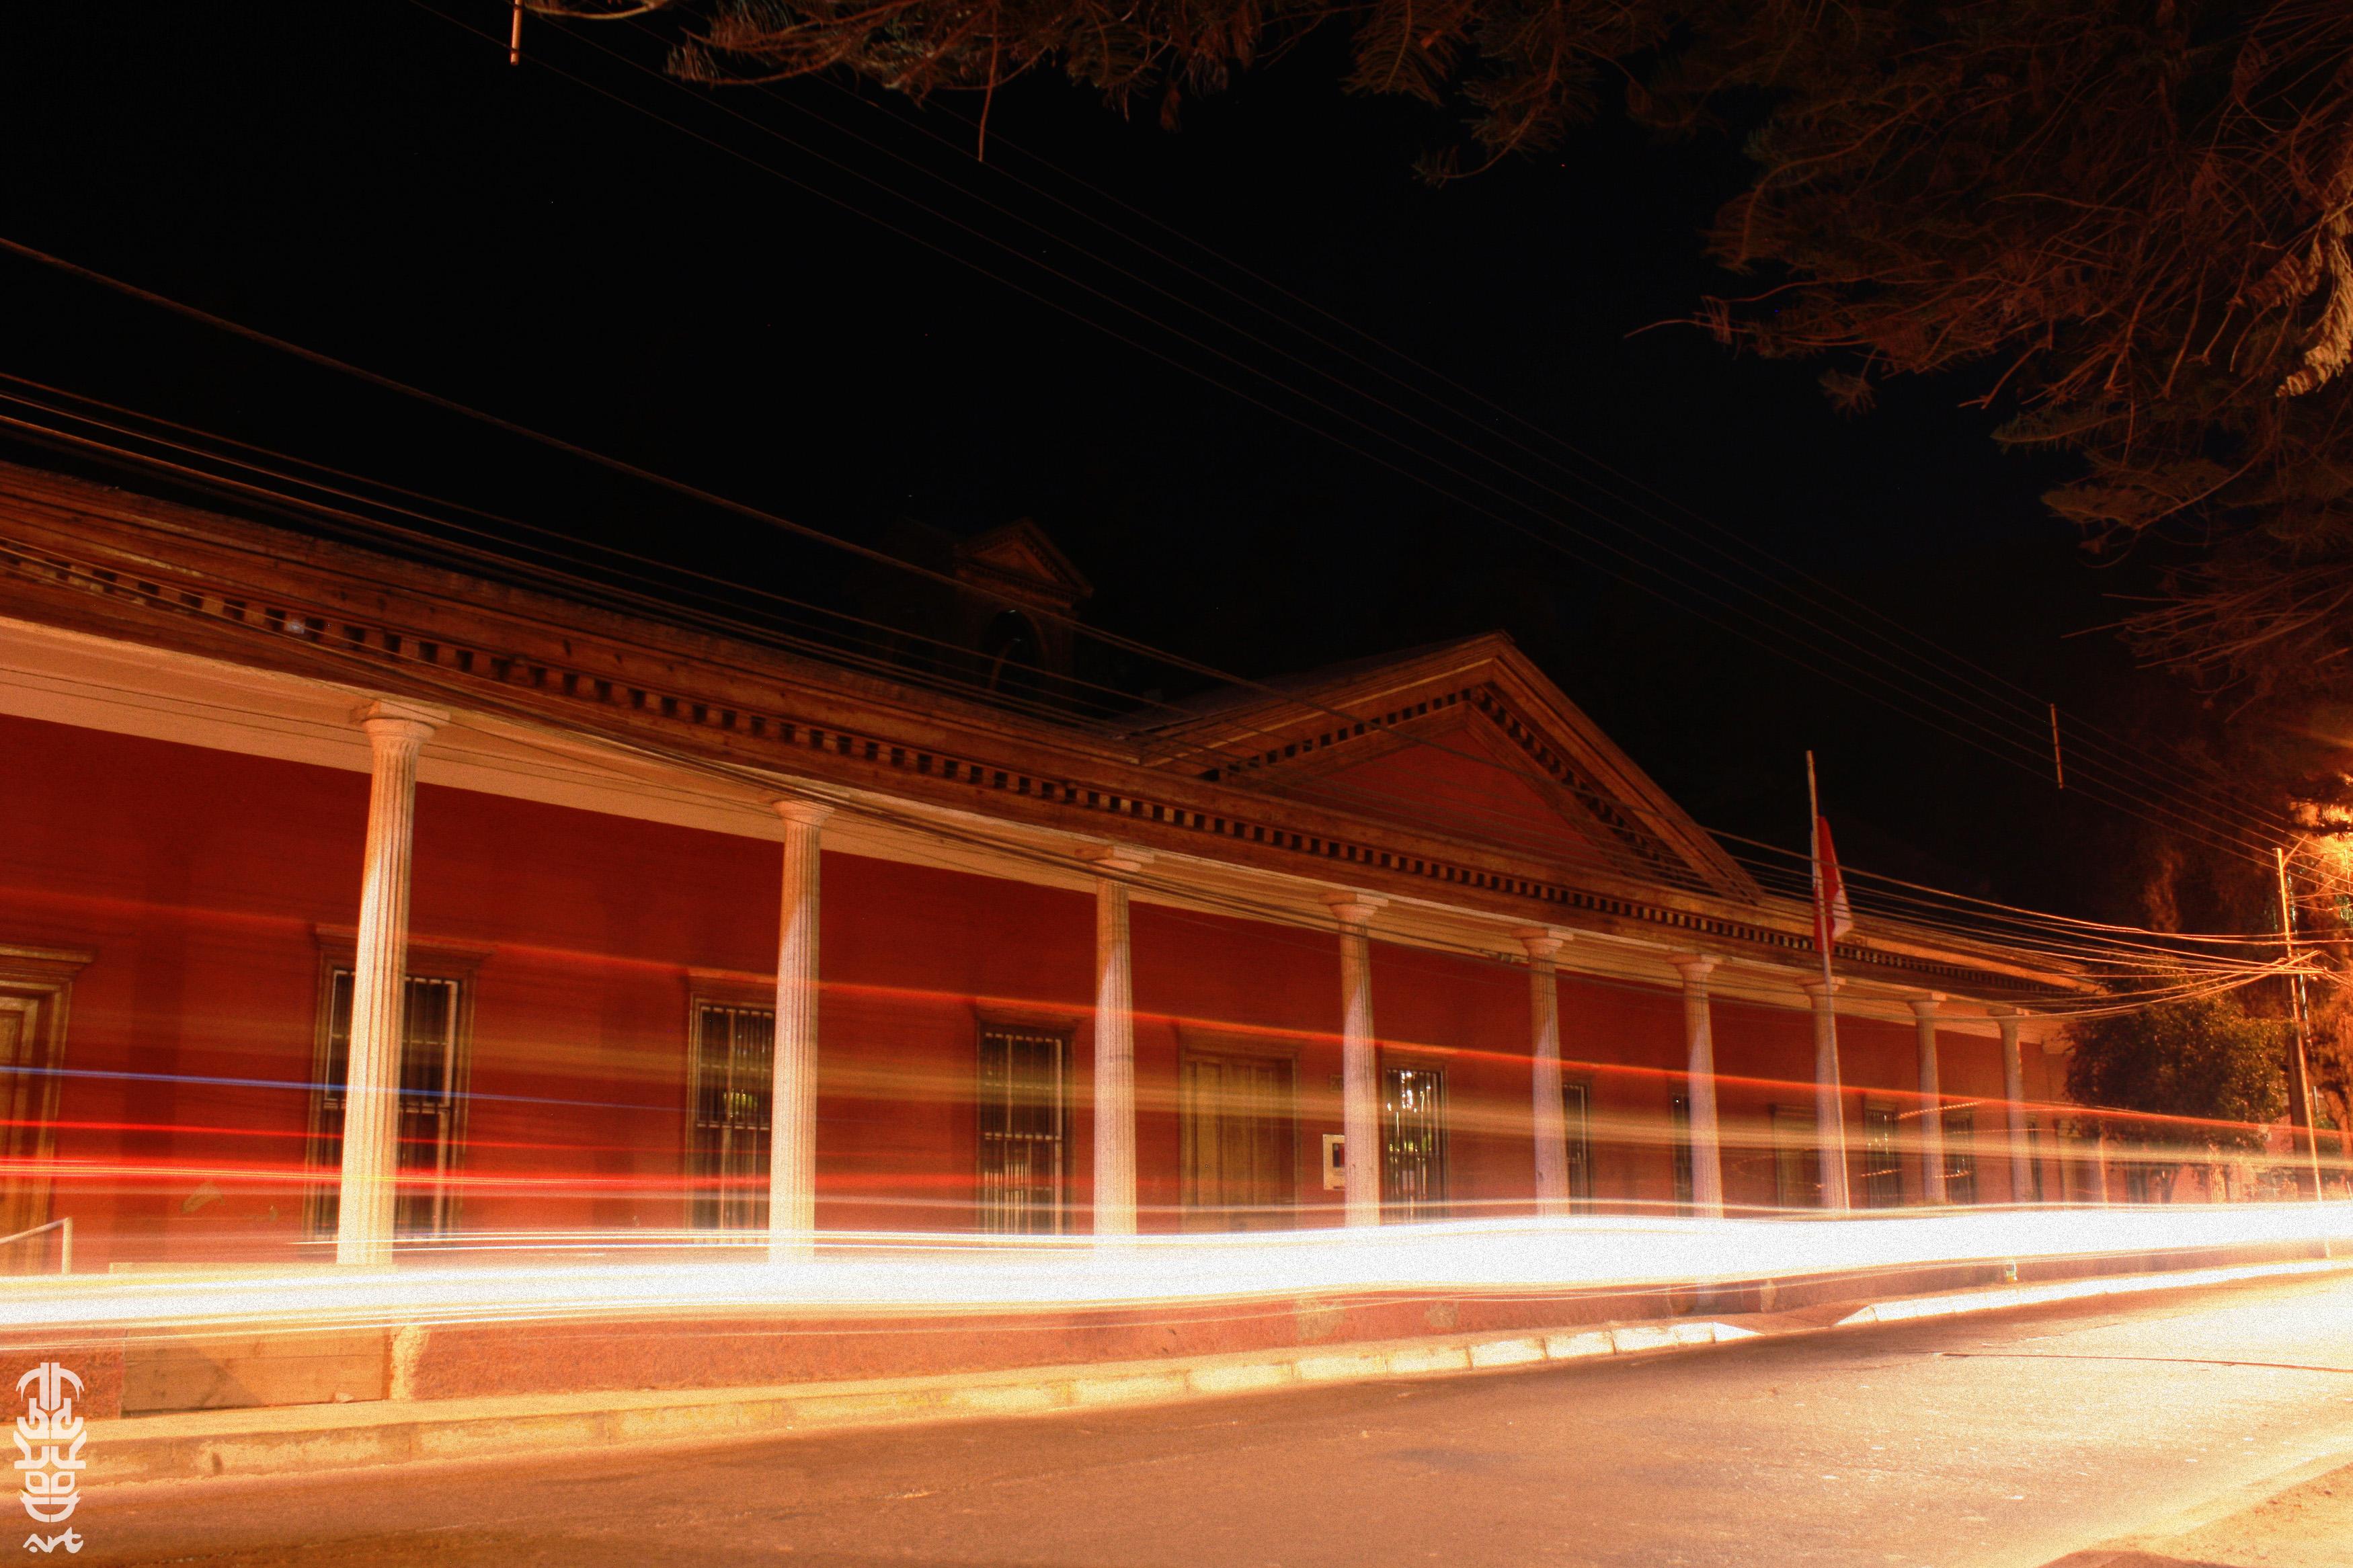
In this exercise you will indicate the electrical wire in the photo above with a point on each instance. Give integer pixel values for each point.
(2149, 808)
(470, 697)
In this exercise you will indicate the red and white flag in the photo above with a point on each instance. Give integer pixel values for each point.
(1833, 915)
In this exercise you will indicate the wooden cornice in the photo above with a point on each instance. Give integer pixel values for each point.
(145, 573)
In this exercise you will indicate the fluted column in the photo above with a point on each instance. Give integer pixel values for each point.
(1360, 1090)
(1550, 1119)
(1932, 1105)
(792, 1099)
(2013, 1090)
(1829, 1115)
(1699, 1038)
(1114, 1106)
(397, 732)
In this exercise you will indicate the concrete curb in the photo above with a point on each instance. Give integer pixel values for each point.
(304, 1438)
(201, 1445)
(1917, 1307)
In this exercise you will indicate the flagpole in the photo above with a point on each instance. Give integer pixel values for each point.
(1829, 1116)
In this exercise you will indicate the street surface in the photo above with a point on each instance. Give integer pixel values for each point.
(1965, 1444)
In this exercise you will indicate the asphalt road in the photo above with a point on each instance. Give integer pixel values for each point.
(2008, 1440)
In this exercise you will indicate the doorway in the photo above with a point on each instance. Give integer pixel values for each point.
(35, 987)
(1239, 1154)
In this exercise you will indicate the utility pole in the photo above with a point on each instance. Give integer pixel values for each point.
(2299, 1074)
(1830, 1110)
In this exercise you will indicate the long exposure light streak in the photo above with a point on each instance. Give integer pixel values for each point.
(898, 1271)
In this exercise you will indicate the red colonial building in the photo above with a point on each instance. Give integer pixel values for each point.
(345, 900)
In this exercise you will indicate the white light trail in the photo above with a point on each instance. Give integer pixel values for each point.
(872, 1273)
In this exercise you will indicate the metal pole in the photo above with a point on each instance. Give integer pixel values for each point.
(2299, 1077)
(1829, 1108)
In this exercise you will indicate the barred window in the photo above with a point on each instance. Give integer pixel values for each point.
(1413, 1144)
(1960, 1156)
(1678, 1113)
(1883, 1172)
(1022, 1132)
(432, 1073)
(734, 1064)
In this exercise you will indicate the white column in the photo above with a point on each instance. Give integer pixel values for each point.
(1114, 1103)
(364, 1205)
(1550, 1118)
(2014, 1090)
(1360, 1090)
(1931, 1106)
(1699, 1037)
(1830, 1113)
(792, 1099)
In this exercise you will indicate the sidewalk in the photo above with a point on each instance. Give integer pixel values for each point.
(197, 1445)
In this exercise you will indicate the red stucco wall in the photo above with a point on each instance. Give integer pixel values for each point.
(199, 878)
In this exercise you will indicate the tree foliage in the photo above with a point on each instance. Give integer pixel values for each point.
(2135, 215)
(2204, 1058)
(2330, 1056)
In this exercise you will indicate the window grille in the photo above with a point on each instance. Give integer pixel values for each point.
(1413, 1152)
(1883, 1172)
(432, 1070)
(1960, 1157)
(1022, 1132)
(734, 1083)
(1686, 1188)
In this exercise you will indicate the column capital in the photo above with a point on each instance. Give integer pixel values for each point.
(1817, 989)
(1543, 941)
(2003, 1013)
(1116, 859)
(1925, 1005)
(1694, 965)
(803, 812)
(394, 719)
(1353, 910)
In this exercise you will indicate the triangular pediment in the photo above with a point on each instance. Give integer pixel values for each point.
(1468, 741)
(1020, 558)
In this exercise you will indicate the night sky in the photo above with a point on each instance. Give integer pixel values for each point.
(752, 314)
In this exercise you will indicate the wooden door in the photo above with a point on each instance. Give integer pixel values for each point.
(36, 986)
(1238, 1154)
(23, 1196)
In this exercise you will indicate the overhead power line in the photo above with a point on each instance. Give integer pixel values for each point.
(2180, 823)
(1857, 665)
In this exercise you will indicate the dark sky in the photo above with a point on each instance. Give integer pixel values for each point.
(770, 315)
